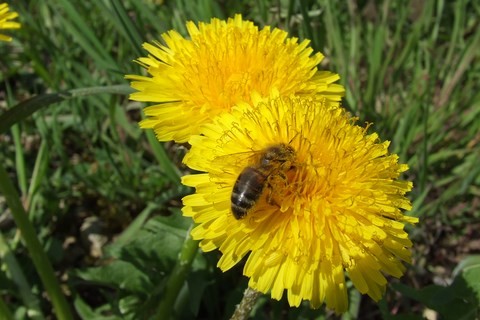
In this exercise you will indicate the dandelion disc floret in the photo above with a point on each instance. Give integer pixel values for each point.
(5, 21)
(334, 209)
(221, 64)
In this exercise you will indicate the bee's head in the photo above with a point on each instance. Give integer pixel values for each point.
(279, 153)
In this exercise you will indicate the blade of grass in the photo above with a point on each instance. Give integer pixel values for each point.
(28, 107)
(291, 6)
(336, 42)
(38, 255)
(39, 170)
(119, 116)
(424, 153)
(470, 53)
(39, 21)
(157, 20)
(4, 311)
(374, 64)
(125, 25)
(19, 156)
(414, 36)
(402, 14)
(128, 234)
(171, 171)
(352, 94)
(263, 10)
(438, 20)
(19, 160)
(83, 33)
(83, 41)
(209, 9)
(459, 9)
(18, 277)
(307, 25)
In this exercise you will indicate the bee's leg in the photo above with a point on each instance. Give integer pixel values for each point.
(282, 178)
(270, 199)
(272, 183)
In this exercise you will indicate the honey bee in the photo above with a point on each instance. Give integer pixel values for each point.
(273, 163)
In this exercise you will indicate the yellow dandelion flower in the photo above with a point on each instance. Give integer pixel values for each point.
(222, 64)
(5, 16)
(330, 200)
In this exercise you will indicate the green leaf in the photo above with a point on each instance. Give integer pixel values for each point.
(460, 300)
(471, 274)
(85, 312)
(469, 262)
(118, 274)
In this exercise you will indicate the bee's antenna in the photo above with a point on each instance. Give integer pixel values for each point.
(291, 140)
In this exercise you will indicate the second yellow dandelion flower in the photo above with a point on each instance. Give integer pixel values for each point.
(222, 64)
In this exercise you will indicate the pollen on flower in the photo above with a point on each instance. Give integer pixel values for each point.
(331, 208)
(5, 21)
(224, 63)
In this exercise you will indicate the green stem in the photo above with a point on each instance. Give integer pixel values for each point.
(40, 259)
(177, 278)
(354, 305)
(244, 308)
(4, 311)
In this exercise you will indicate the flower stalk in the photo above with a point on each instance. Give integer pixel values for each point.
(177, 278)
(244, 308)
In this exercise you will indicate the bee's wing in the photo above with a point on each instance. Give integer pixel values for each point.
(225, 170)
(236, 161)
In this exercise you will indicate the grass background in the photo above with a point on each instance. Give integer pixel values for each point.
(104, 197)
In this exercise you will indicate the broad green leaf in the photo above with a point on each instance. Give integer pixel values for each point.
(119, 275)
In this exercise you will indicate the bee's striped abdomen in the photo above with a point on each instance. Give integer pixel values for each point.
(246, 191)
